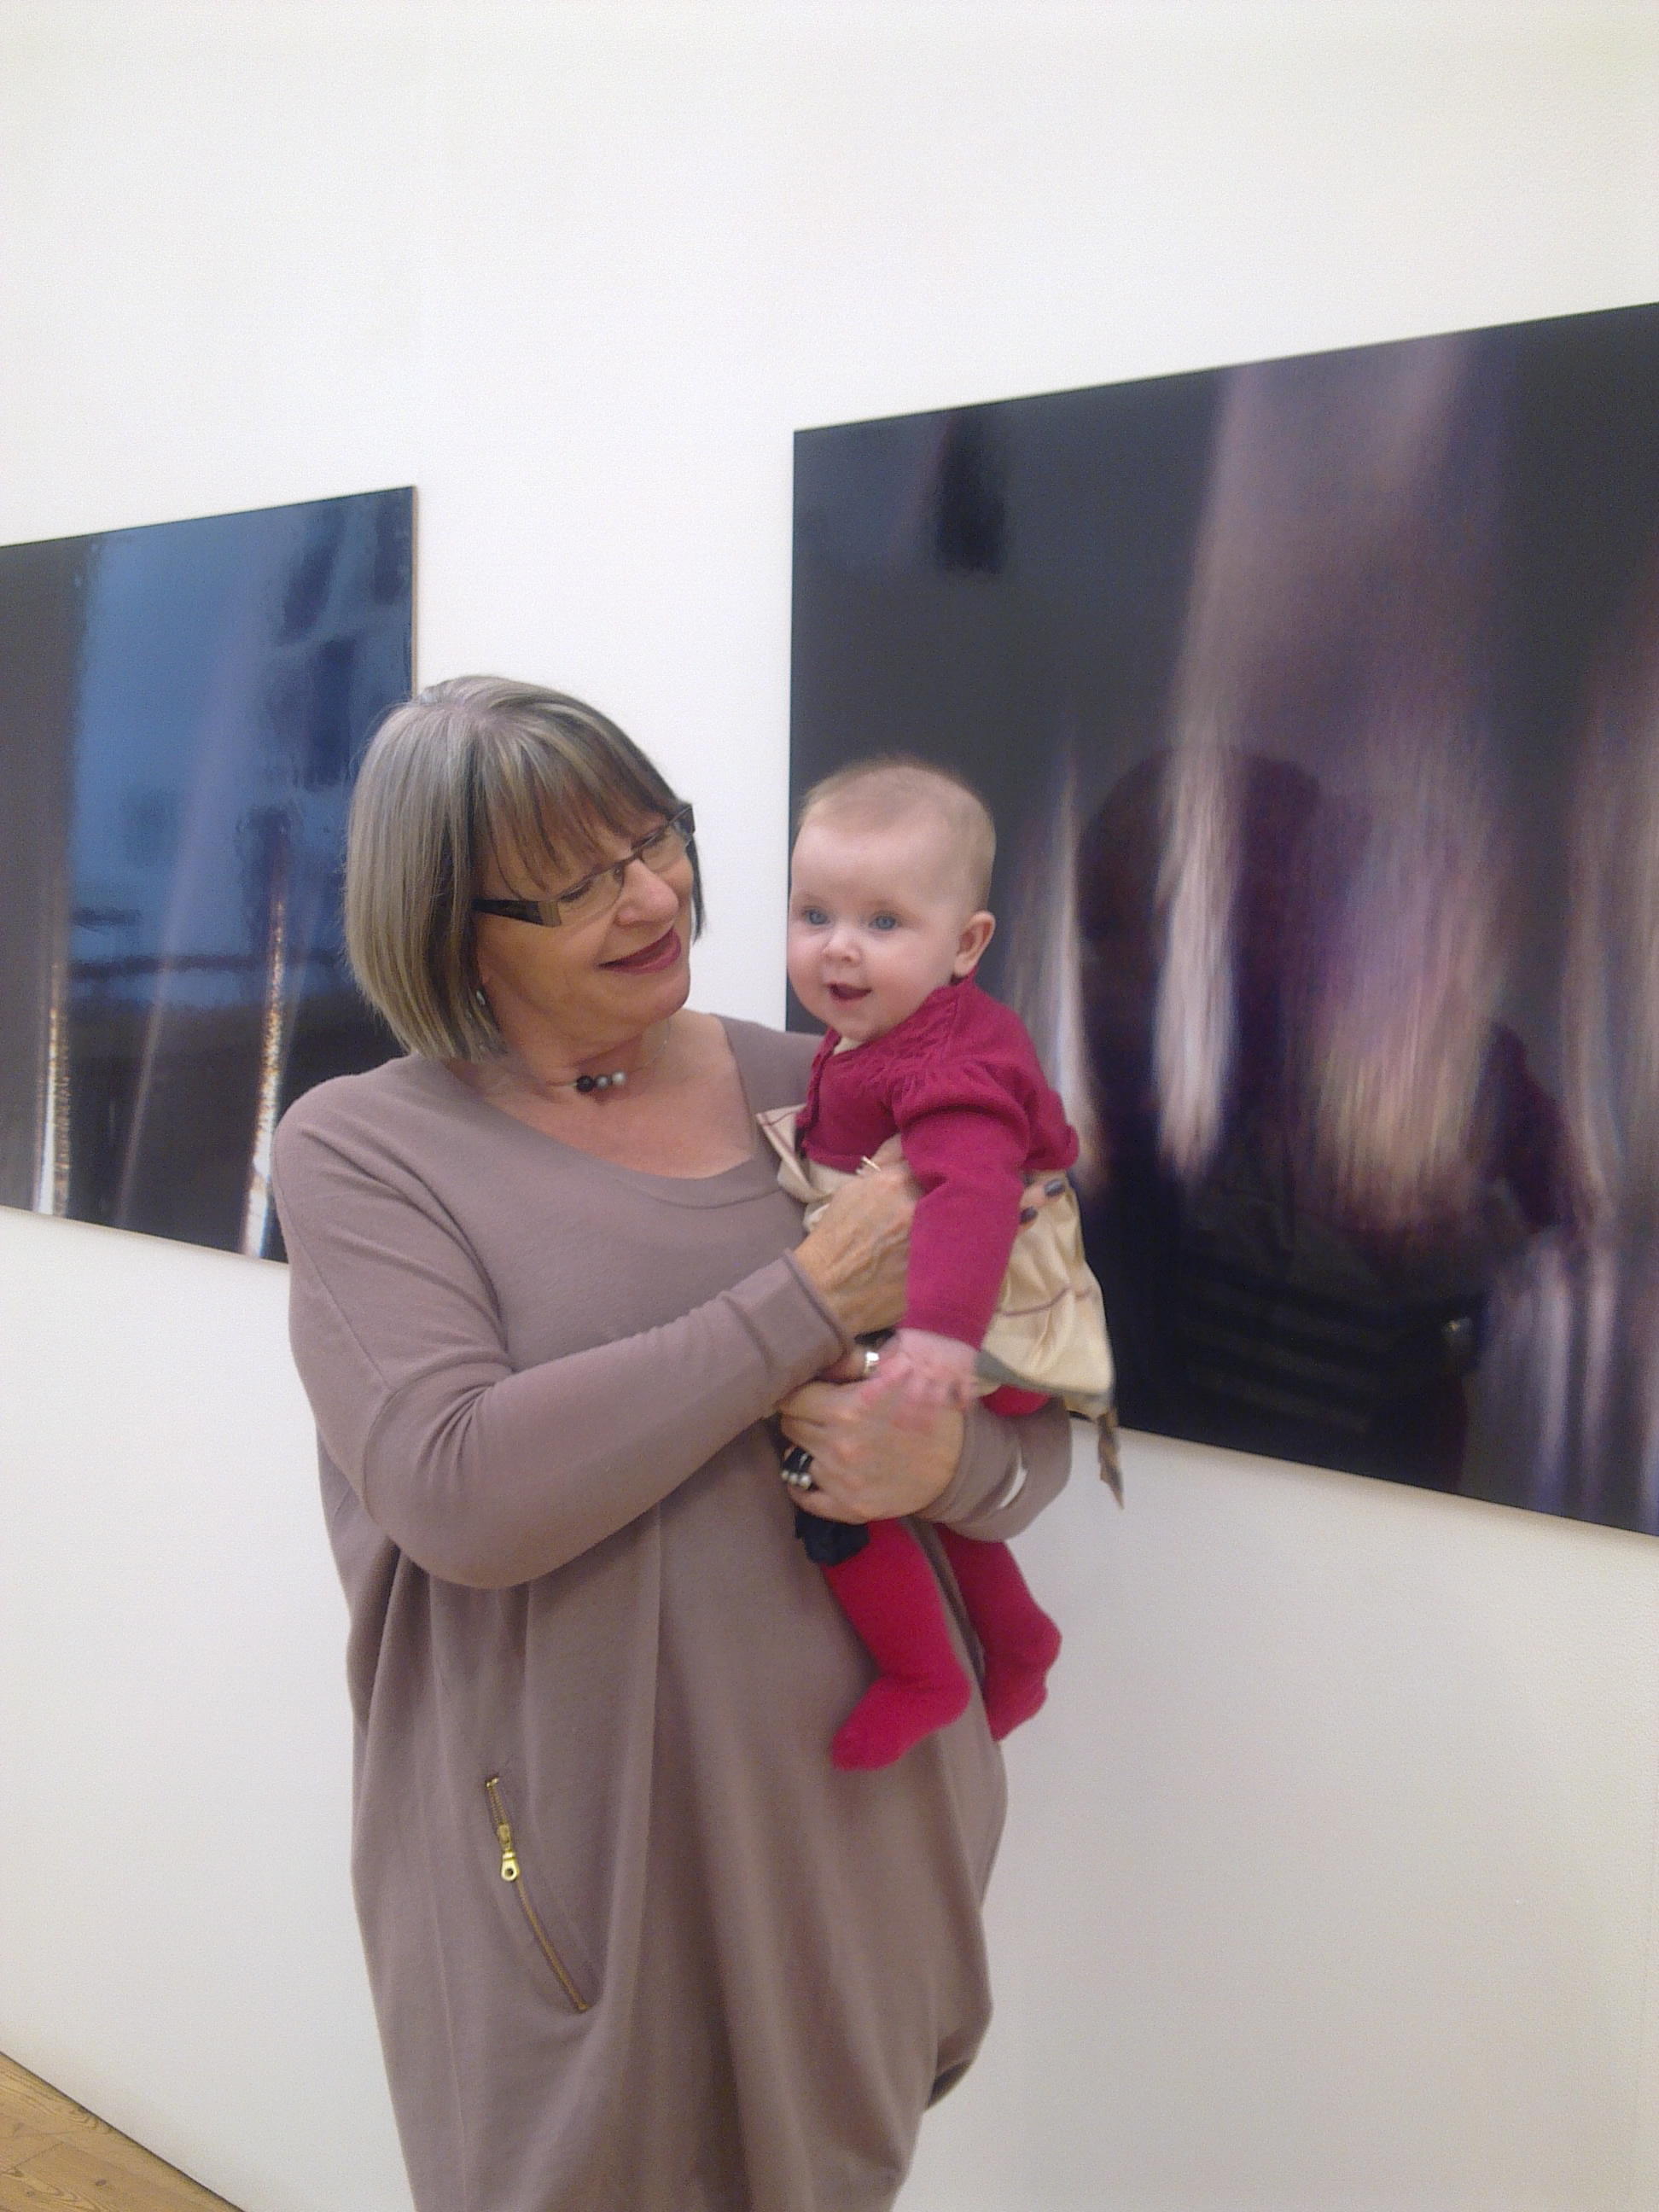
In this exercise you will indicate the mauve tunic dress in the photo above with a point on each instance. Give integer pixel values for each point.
(727, 1977)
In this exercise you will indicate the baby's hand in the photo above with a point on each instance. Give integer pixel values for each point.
(922, 1372)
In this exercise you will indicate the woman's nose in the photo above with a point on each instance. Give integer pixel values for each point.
(645, 896)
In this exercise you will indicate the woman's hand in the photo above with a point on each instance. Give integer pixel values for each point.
(857, 1250)
(866, 1464)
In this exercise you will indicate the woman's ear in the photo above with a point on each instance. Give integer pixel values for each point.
(977, 933)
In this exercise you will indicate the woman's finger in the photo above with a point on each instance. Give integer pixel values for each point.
(811, 1402)
(824, 1507)
(868, 1464)
(851, 1367)
(889, 1153)
(857, 1251)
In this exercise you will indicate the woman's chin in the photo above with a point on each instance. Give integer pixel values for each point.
(654, 996)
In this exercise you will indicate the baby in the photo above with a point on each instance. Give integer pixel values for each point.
(887, 922)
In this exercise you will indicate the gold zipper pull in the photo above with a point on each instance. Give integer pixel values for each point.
(510, 1873)
(503, 1830)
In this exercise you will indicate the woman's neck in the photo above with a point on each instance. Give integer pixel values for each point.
(686, 1115)
(558, 1070)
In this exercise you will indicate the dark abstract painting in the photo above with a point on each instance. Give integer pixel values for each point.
(181, 709)
(1318, 703)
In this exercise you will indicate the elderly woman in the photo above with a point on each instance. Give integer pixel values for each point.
(635, 1944)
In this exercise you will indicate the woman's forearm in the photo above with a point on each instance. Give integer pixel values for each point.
(496, 1483)
(488, 1476)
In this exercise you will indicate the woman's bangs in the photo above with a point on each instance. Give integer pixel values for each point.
(550, 814)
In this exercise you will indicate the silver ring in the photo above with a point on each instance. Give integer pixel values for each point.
(872, 1361)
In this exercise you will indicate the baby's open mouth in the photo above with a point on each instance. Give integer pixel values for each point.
(845, 993)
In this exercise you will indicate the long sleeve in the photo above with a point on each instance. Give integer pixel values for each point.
(484, 1475)
(1008, 1472)
(968, 1151)
(960, 1086)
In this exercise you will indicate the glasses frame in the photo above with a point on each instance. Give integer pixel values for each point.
(545, 913)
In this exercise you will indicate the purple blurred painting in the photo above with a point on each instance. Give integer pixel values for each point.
(182, 707)
(1318, 703)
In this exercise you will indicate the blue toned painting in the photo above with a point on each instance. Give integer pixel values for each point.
(181, 710)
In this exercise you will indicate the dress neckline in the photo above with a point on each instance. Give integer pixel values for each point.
(751, 1178)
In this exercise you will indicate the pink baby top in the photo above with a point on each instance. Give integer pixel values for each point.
(958, 1081)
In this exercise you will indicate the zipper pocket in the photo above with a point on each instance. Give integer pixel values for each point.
(511, 1871)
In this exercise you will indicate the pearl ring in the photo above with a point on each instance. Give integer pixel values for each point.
(796, 1468)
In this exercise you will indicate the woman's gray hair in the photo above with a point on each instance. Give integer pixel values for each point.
(475, 767)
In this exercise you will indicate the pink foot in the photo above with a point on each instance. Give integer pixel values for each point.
(1012, 1694)
(1016, 1674)
(891, 1715)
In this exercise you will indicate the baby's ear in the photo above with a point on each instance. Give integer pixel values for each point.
(977, 933)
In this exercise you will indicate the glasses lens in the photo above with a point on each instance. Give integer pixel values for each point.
(661, 850)
(583, 902)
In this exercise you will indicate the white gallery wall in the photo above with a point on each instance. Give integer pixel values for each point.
(1329, 1882)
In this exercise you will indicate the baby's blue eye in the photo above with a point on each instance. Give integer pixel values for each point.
(814, 916)
(883, 921)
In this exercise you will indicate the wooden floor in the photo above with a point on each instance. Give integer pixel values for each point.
(51, 2153)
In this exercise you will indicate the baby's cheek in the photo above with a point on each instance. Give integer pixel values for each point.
(801, 965)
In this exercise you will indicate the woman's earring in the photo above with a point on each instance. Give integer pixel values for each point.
(480, 1001)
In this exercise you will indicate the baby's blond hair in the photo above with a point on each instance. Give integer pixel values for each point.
(891, 788)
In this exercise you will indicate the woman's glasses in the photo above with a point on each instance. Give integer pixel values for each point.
(597, 893)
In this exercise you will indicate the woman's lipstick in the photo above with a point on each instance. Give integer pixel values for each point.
(646, 962)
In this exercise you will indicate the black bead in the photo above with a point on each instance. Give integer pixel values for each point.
(588, 1082)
